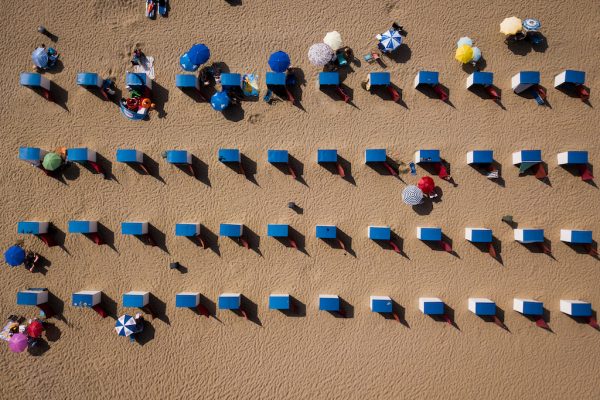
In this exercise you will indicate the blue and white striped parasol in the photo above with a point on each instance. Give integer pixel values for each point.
(532, 25)
(40, 57)
(412, 195)
(125, 325)
(390, 40)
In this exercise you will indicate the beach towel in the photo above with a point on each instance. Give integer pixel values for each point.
(586, 174)
(395, 247)
(541, 323)
(145, 67)
(524, 166)
(492, 250)
(446, 246)
(541, 172)
(250, 85)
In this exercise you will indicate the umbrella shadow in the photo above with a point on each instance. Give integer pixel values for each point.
(146, 335)
(235, 112)
(424, 208)
(402, 54)
(38, 348)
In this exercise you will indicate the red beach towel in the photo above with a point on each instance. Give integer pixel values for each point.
(541, 172)
(440, 92)
(586, 174)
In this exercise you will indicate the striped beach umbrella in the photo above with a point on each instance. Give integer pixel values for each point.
(412, 195)
(320, 54)
(532, 25)
(464, 40)
(390, 40)
(40, 57)
(125, 325)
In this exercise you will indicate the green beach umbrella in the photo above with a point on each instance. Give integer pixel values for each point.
(51, 161)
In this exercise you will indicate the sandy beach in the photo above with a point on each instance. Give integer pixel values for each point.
(312, 355)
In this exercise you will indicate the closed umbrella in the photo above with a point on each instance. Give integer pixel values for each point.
(320, 54)
(34, 329)
(334, 40)
(464, 40)
(412, 195)
(476, 54)
(17, 343)
(198, 54)
(279, 61)
(464, 54)
(532, 25)
(390, 40)
(15, 255)
(511, 26)
(40, 57)
(51, 161)
(186, 63)
(426, 184)
(126, 325)
(219, 101)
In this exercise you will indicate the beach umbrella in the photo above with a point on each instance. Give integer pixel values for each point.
(320, 54)
(186, 63)
(125, 325)
(51, 161)
(219, 101)
(198, 54)
(17, 343)
(464, 40)
(532, 25)
(34, 329)
(511, 26)
(333, 40)
(476, 54)
(412, 195)
(40, 57)
(464, 54)
(391, 40)
(15, 255)
(279, 61)
(426, 184)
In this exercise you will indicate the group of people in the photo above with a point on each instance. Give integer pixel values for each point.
(22, 333)
(138, 100)
(44, 58)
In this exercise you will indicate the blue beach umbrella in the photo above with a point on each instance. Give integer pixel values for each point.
(532, 25)
(279, 61)
(15, 255)
(40, 57)
(412, 195)
(464, 40)
(125, 325)
(198, 54)
(219, 101)
(390, 40)
(476, 54)
(186, 63)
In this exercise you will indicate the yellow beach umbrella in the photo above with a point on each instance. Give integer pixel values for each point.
(511, 26)
(464, 54)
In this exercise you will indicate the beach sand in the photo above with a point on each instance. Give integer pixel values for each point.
(315, 355)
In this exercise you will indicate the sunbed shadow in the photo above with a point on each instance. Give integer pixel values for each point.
(482, 94)
(58, 306)
(210, 306)
(585, 320)
(158, 236)
(296, 165)
(484, 248)
(545, 317)
(95, 91)
(433, 170)
(197, 95)
(574, 171)
(428, 91)
(469, 68)
(297, 89)
(211, 240)
(249, 166)
(497, 319)
(294, 235)
(253, 240)
(107, 235)
(401, 55)
(591, 250)
(399, 311)
(532, 172)
(344, 238)
(538, 248)
(398, 241)
(570, 91)
(159, 308)
(152, 166)
(146, 335)
(59, 95)
(109, 305)
(483, 169)
(527, 94)
(449, 313)
(106, 166)
(346, 310)
(382, 170)
(58, 237)
(346, 166)
(160, 96)
(251, 310)
(297, 308)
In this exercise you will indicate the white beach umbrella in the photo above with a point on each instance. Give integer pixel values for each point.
(334, 40)
(320, 54)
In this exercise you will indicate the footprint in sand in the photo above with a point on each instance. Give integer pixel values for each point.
(255, 118)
